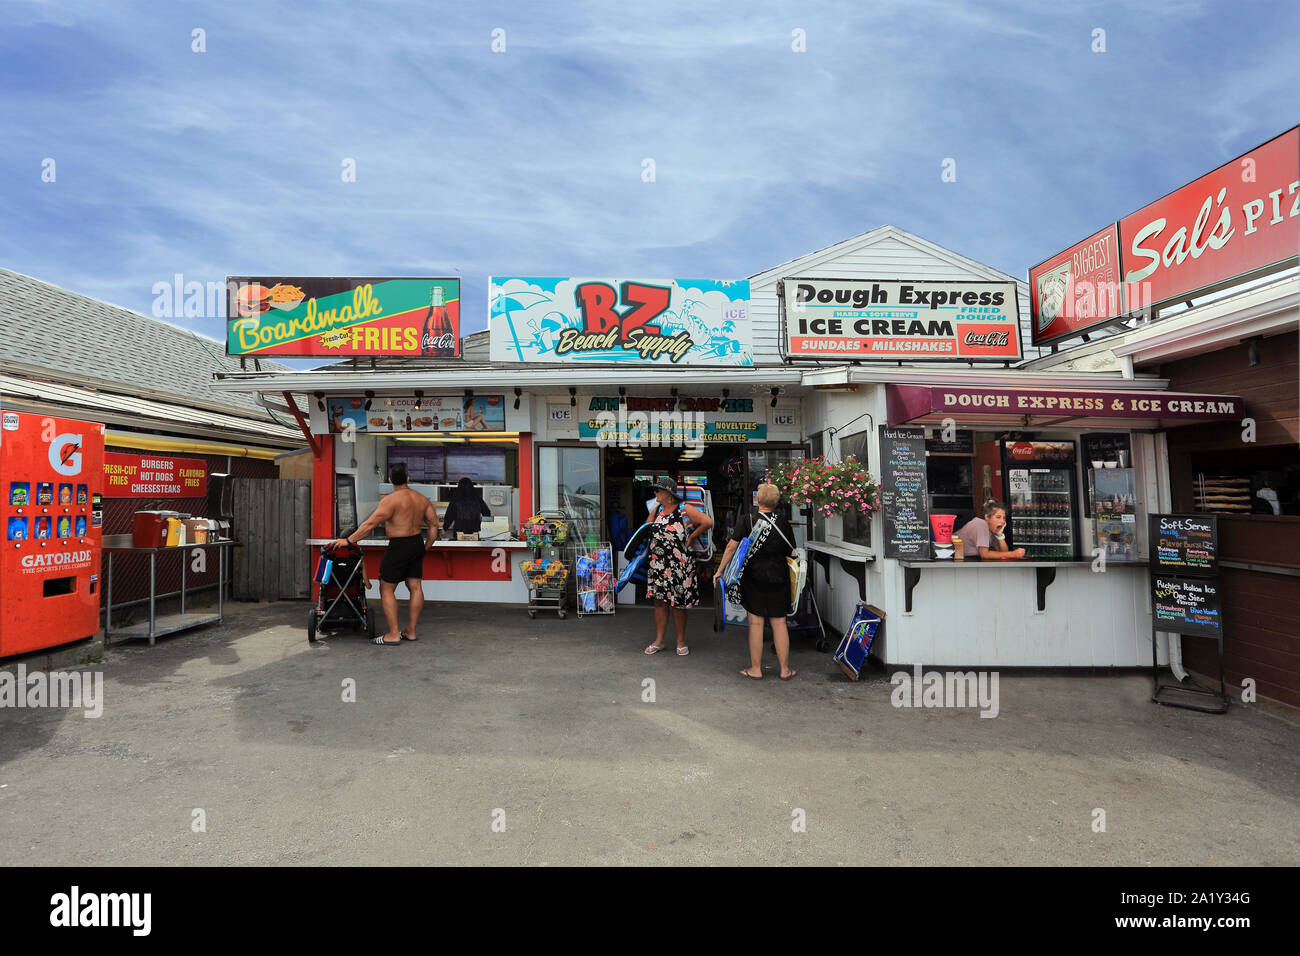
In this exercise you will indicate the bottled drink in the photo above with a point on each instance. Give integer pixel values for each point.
(437, 338)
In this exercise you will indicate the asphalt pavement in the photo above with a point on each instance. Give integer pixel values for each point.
(496, 739)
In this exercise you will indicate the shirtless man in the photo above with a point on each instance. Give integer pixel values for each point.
(402, 513)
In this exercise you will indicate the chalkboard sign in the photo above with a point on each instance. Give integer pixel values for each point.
(1184, 544)
(902, 493)
(1186, 606)
(1106, 446)
(962, 442)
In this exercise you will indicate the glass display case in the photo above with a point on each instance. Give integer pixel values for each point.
(1112, 498)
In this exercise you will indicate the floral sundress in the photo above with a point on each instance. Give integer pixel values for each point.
(671, 576)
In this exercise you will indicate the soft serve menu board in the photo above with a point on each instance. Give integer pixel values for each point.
(1184, 545)
(902, 493)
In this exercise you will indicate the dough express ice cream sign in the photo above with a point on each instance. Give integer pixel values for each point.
(342, 317)
(640, 321)
(837, 319)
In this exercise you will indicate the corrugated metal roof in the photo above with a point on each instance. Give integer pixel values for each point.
(129, 410)
(67, 337)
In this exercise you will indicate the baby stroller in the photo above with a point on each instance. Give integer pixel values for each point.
(341, 602)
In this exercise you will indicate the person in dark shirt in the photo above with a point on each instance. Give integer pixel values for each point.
(466, 509)
(764, 579)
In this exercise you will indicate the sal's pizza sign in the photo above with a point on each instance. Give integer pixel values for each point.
(1234, 223)
(342, 317)
(149, 476)
(863, 319)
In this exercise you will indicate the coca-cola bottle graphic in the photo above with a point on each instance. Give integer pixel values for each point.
(437, 339)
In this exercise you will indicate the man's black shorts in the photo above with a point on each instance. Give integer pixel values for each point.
(403, 560)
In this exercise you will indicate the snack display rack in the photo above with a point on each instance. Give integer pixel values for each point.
(547, 575)
(594, 567)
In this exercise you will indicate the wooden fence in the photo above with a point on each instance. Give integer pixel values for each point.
(272, 524)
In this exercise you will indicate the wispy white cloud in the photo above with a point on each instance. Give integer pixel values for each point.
(530, 161)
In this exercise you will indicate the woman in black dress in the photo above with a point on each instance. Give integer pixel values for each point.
(764, 579)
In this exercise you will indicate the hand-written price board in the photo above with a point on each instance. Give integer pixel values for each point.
(1186, 606)
(1184, 545)
(902, 493)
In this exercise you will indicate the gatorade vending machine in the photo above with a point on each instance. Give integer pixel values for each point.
(51, 477)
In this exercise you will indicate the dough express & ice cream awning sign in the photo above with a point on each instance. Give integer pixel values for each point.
(838, 319)
(342, 317)
(641, 321)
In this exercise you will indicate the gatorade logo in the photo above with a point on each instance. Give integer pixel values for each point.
(65, 454)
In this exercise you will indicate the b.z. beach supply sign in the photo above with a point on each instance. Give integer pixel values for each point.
(660, 322)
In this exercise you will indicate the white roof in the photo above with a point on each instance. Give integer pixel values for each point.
(24, 394)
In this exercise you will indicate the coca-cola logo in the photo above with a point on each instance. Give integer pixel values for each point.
(442, 342)
(1022, 450)
(993, 339)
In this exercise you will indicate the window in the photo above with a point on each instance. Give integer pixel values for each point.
(857, 527)
(568, 480)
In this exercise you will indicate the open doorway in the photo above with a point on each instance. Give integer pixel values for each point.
(724, 476)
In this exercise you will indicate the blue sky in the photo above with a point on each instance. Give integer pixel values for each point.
(529, 161)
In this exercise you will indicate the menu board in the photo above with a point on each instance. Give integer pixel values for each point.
(902, 493)
(428, 413)
(1186, 606)
(486, 465)
(960, 442)
(1184, 544)
(423, 465)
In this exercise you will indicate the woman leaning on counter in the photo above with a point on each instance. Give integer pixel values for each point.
(986, 538)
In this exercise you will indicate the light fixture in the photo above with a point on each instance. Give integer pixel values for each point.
(1252, 353)
(419, 397)
(776, 390)
(518, 392)
(320, 400)
(370, 397)
(573, 397)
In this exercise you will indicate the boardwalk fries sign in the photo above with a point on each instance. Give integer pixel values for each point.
(149, 476)
(837, 319)
(342, 317)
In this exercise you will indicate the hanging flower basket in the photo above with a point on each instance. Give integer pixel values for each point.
(827, 489)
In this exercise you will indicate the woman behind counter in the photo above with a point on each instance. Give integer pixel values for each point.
(765, 579)
(466, 510)
(671, 578)
(986, 538)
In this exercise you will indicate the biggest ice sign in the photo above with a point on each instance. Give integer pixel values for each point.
(838, 319)
(642, 321)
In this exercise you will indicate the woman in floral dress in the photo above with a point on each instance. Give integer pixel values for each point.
(671, 578)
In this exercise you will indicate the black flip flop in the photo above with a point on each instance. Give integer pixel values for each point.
(383, 643)
(750, 676)
(402, 637)
(790, 675)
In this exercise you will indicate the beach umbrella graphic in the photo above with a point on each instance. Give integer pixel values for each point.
(506, 304)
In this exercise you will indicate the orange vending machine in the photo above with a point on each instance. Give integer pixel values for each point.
(51, 477)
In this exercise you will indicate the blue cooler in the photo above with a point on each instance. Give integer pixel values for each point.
(853, 650)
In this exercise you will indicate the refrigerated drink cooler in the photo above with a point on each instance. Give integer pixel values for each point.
(51, 477)
(1042, 498)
